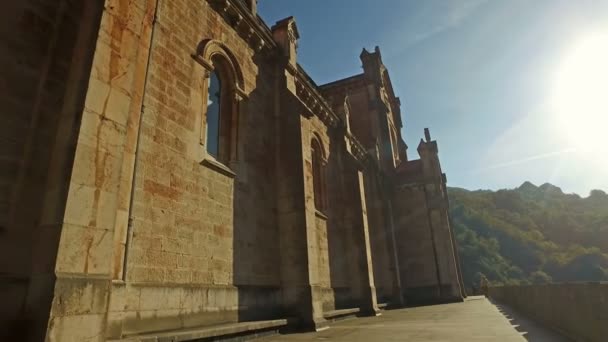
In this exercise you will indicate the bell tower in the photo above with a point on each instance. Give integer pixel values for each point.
(385, 110)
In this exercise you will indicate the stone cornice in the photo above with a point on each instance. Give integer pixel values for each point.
(248, 26)
(312, 99)
(310, 96)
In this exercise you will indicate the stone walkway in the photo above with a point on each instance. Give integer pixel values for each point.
(477, 319)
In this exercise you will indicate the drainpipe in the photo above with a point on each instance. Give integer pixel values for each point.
(136, 151)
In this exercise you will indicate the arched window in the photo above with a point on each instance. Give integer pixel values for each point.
(221, 113)
(223, 101)
(318, 175)
(213, 114)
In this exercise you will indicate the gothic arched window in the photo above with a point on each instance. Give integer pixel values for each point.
(222, 103)
(221, 112)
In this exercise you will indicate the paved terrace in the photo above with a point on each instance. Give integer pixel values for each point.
(477, 319)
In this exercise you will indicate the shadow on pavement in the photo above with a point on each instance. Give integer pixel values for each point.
(531, 330)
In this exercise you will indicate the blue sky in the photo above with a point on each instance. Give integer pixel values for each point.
(480, 74)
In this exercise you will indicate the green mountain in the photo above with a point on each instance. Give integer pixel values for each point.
(531, 234)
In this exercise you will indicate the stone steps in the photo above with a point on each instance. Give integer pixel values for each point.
(230, 331)
(335, 315)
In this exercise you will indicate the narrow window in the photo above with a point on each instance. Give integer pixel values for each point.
(213, 115)
(318, 178)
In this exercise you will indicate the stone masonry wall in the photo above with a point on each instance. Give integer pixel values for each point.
(93, 225)
(445, 253)
(314, 128)
(577, 310)
(415, 245)
(191, 259)
(362, 124)
(380, 239)
(123, 224)
(198, 231)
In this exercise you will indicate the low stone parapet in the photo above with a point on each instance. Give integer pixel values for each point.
(577, 310)
(335, 315)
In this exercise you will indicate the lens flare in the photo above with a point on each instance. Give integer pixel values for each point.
(580, 97)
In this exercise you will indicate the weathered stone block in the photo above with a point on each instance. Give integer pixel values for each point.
(84, 250)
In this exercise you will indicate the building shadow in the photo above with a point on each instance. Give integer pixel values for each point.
(46, 68)
(338, 228)
(531, 330)
(256, 253)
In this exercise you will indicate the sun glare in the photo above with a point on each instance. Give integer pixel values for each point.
(581, 96)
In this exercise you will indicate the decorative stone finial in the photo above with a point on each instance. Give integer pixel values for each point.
(253, 6)
(427, 135)
(285, 33)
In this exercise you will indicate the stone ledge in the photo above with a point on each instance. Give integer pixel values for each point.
(320, 215)
(338, 314)
(218, 167)
(207, 332)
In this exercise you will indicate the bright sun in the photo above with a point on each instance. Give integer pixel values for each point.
(580, 97)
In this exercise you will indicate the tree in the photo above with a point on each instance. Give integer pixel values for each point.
(531, 235)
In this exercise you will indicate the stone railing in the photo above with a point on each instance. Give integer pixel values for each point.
(577, 310)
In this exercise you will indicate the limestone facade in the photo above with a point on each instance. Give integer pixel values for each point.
(127, 210)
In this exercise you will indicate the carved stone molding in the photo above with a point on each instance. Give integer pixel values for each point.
(314, 101)
(209, 48)
(244, 23)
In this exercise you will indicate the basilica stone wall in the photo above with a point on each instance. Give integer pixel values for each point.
(200, 231)
(121, 221)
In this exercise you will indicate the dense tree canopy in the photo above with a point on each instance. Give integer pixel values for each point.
(531, 235)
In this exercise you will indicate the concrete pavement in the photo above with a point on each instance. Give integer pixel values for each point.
(477, 319)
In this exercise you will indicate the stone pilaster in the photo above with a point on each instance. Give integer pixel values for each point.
(437, 204)
(362, 248)
(93, 229)
(295, 213)
(398, 299)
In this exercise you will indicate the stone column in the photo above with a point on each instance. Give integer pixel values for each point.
(437, 204)
(463, 291)
(89, 265)
(446, 259)
(295, 218)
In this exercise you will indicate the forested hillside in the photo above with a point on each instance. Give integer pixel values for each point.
(532, 234)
